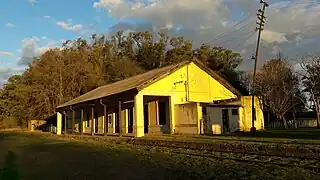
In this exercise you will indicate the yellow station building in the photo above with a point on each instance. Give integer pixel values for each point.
(184, 98)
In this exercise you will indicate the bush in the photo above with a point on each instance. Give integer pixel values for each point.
(8, 122)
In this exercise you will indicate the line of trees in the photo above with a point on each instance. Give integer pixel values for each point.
(285, 88)
(79, 66)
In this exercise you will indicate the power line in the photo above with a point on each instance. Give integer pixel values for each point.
(224, 42)
(250, 35)
(243, 27)
(216, 38)
(292, 3)
(233, 26)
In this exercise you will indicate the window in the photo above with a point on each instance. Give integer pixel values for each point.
(235, 112)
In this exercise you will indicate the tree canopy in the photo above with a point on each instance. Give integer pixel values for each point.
(79, 66)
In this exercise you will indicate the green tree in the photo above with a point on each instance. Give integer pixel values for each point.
(13, 99)
(80, 66)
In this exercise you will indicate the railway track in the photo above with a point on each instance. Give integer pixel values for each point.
(289, 161)
(299, 151)
(253, 155)
(313, 165)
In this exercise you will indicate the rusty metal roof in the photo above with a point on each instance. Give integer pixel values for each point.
(139, 82)
(135, 82)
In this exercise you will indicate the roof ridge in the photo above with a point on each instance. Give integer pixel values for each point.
(143, 80)
(138, 84)
(141, 74)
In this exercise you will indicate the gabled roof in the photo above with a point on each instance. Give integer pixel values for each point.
(141, 81)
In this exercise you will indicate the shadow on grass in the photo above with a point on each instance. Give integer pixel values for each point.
(76, 161)
(9, 170)
(41, 159)
(85, 161)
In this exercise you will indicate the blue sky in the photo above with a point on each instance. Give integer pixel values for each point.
(22, 19)
(30, 27)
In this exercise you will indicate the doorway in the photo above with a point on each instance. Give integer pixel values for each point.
(225, 120)
(162, 113)
(130, 120)
(146, 118)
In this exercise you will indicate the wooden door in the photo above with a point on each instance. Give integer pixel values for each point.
(130, 120)
(225, 120)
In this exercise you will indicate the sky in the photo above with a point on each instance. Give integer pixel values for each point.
(28, 28)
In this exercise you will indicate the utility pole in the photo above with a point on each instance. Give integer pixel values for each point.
(260, 22)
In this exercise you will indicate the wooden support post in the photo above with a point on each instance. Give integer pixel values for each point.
(120, 119)
(105, 113)
(59, 123)
(81, 123)
(65, 123)
(173, 115)
(92, 121)
(73, 120)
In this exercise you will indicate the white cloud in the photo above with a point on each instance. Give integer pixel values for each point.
(288, 24)
(5, 53)
(5, 73)
(47, 17)
(106, 3)
(32, 2)
(68, 25)
(32, 47)
(271, 36)
(10, 25)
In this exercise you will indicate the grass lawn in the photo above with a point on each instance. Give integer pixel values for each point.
(47, 157)
(281, 136)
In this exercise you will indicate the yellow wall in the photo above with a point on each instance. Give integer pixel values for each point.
(188, 84)
(201, 87)
(36, 123)
(246, 114)
(186, 118)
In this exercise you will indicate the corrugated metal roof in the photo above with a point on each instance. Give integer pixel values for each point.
(134, 82)
(140, 81)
